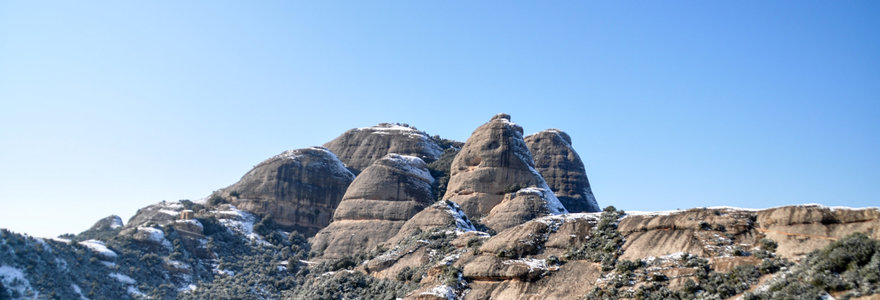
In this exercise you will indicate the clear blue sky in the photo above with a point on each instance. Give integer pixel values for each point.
(110, 106)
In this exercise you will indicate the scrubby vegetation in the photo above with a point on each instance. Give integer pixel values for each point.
(439, 168)
(850, 266)
(604, 243)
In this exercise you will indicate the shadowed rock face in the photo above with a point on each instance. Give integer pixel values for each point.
(563, 170)
(298, 189)
(493, 162)
(379, 201)
(360, 147)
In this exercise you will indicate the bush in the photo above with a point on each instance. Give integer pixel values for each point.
(604, 243)
(768, 245)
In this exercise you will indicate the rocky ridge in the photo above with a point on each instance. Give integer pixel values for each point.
(493, 162)
(360, 147)
(563, 169)
(503, 231)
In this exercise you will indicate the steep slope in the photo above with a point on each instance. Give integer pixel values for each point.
(360, 147)
(493, 162)
(297, 190)
(563, 169)
(379, 201)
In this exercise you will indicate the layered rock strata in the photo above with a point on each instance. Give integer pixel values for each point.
(377, 204)
(360, 147)
(563, 169)
(298, 189)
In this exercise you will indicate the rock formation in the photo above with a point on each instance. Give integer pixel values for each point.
(519, 207)
(563, 170)
(518, 263)
(493, 162)
(109, 223)
(161, 213)
(298, 189)
(379, 201)
(360, 147)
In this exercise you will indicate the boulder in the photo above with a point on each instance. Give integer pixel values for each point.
(358, 148)
(493, 162)
(563, 170)
(297, 190)
(519, 207)
(377, 204)
(161, 213)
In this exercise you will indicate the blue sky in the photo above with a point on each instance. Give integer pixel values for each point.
(106, 107)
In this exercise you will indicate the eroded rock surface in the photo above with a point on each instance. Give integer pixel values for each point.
(377, 204)
(360, 147)
(521, 206)
(563, 170)
(298, 189)
(493, 162)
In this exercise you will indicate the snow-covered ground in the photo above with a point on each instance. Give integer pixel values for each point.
(13, 279)
(99, 248)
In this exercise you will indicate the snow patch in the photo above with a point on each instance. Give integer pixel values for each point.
(553, 205)
(239, 221)
(441, 291)
(336, 166)
(13, 279)
(99, 248)
(411, 165)
(78, 291)
(388, 128)
(532, 263)
(462, 223)
(154, 235)
(117, 222)
(134, 291)
(122, 278)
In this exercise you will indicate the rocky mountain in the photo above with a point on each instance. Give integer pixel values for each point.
(298, 189)
(494, 162)
(301, 225)
(379, 201)
(360, 147)
(563, 169)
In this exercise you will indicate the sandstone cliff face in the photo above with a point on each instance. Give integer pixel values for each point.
(360, 147)
(563, 170)
(379, 201)
(801, 229)
(517, 208)
(298, 189)
(493, 162)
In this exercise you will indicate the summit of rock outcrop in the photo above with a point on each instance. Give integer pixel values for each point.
(360, 147)
(298, 189)
(378, 202)
(108, 223)
(563, 169)
(493, 162)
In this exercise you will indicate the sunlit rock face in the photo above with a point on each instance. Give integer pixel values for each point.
(298, 189)
(494, 161)
(563, 169)
(379, 201)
